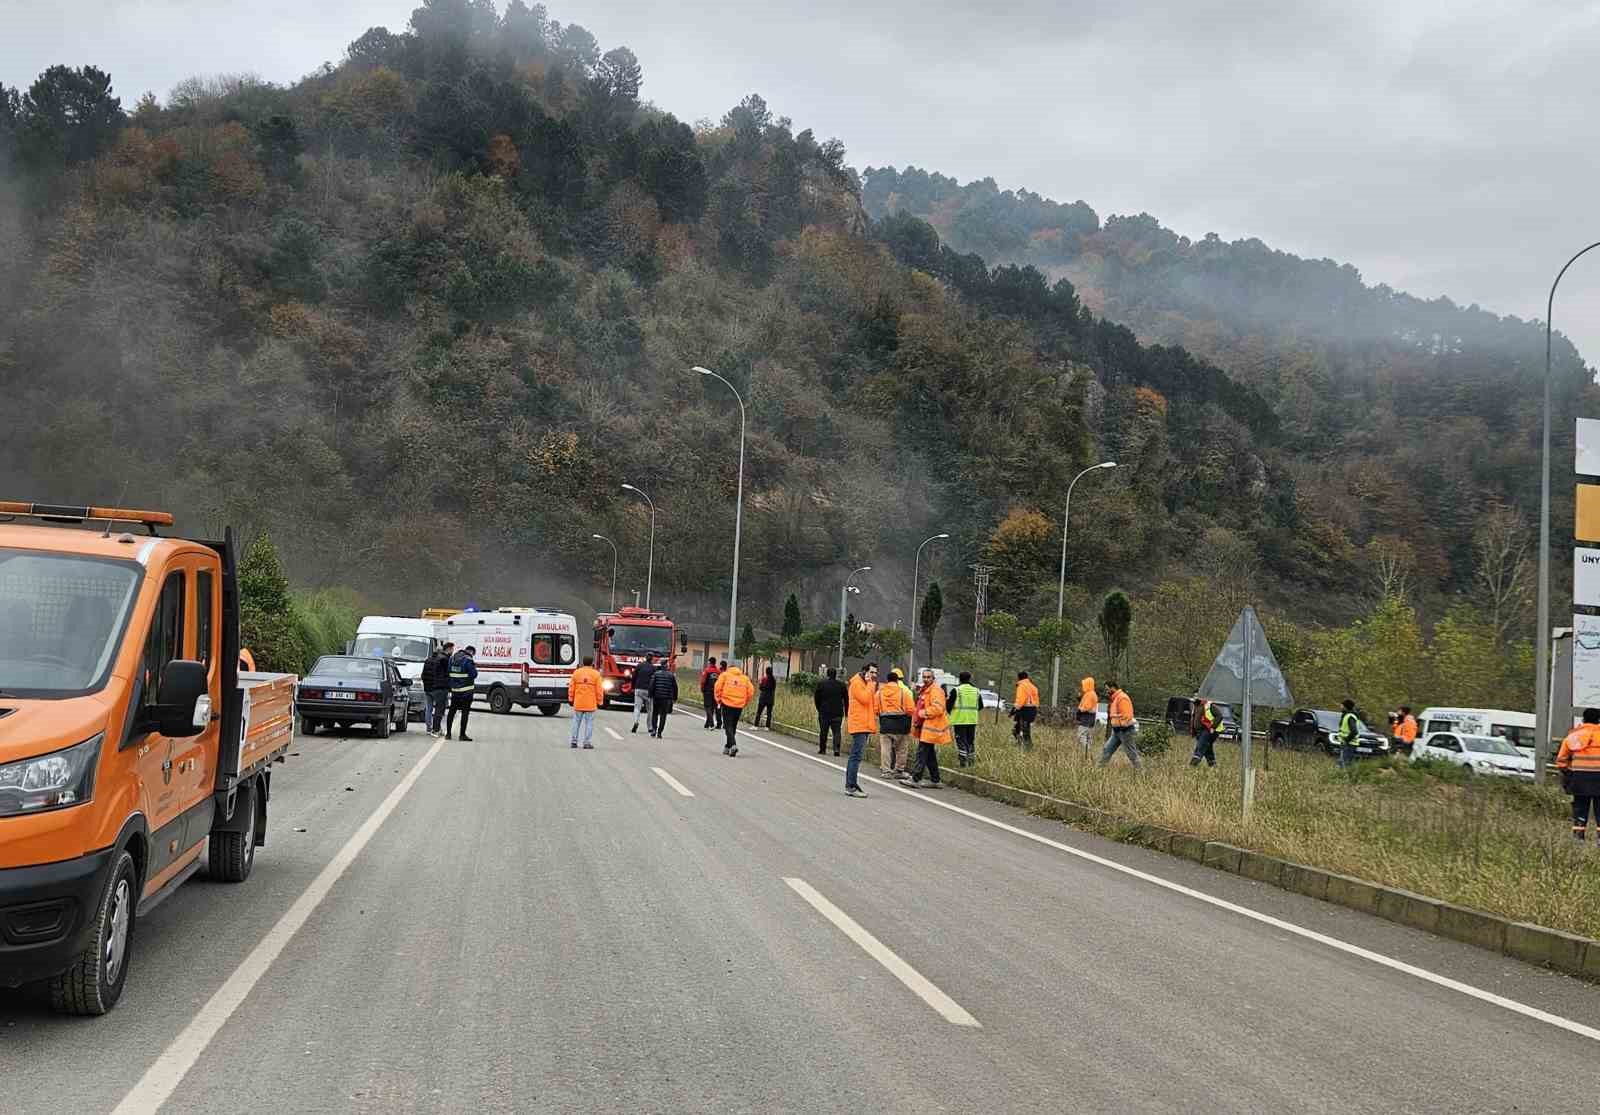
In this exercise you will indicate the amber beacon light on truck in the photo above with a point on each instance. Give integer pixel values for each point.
(60, 513)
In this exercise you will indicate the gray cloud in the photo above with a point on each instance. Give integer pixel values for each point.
(1439, 147)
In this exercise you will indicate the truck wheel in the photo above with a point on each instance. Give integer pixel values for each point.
(1277, 739)
(382, 727)
(308, 726)
(499, 701)
(233, 854)
(94, 982)
(549, 710)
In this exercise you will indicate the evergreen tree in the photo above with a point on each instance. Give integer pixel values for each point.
(932, 612)
(266, 610)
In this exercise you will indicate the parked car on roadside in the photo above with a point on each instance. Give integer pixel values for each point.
(344, 689)
(1490, 755)
(1182, 716)
(1516, 728)
(1319, 728)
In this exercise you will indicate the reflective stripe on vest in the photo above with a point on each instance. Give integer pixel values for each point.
(964, 713)
(460, 681)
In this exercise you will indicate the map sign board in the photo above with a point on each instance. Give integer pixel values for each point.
(1586, 661)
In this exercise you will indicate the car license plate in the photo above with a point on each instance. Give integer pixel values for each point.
(340, 696)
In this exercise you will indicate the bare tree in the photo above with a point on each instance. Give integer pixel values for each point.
(1392, 567)
(1501, 573)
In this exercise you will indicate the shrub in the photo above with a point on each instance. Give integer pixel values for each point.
(805, 682)
(1154, 738)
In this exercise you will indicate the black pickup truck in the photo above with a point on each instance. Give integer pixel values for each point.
(1319, 727)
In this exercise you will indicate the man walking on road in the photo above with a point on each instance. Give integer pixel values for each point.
(708, 694)
(931, 726)
(663, 694)
(641, 692)
(1579, 764)
(964, 719)
(896, 704)
(733, 693)
(830, 699)
(768, 695)
(861, 722)
(436, 688)
(1088, 706)
(1024, 710)
(1349, 733)
(1207, 723)
(1120, 714)
(585, 691)
(463, 683)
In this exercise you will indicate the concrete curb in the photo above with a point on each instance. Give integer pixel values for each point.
(1534, 944)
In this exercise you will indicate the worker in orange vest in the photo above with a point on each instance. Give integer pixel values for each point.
(1024, 708)
(895, 707)
(931, 726)
(732, 694)
(1405, 729)
(861, 721)
(585, 691)
(1120, 714)
(1088, 708)
(1579, 764)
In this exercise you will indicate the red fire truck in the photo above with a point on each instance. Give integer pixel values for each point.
(623, 639)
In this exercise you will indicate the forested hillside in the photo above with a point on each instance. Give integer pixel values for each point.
(421, 314)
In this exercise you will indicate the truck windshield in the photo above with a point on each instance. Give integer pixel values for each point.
(406, 648)
(61, 618)
(633, 639)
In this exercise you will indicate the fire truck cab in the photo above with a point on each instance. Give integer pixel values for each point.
(625, 638)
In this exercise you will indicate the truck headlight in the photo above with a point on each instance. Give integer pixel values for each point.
(54, 781)
(606, 685)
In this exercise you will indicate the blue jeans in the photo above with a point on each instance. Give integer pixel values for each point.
(433, 704)
(1123, 738)
(852, 765)
(582, 722)
(1347, 754)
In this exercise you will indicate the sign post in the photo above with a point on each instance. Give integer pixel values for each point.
(1244, 671)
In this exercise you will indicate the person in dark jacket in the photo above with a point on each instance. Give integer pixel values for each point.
(767, 693)
(463, 683)
(708, 693)
(641, 691)
(830, 699)
(436, 688)
(663, 692)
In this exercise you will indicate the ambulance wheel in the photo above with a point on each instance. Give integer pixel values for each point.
(94, 982)
(499, 701)
(549, 710)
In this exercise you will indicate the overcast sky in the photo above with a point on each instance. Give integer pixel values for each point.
(1441, 147)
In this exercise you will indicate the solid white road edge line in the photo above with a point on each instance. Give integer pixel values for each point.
(612, 732)
(1434, 978)
(950, 1010)
(674, 783)
(162, 1078)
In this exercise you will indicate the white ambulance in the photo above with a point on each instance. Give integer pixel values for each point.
(525, 656)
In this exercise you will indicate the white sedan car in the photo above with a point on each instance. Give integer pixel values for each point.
(1480, 754)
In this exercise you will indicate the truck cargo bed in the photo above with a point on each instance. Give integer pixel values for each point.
(267, 726)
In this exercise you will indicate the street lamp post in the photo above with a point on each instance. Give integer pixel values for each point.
(1541, 681)
(1061, 589)
(613, 546)
(738, 508)
(650, 568)
(842, 598)
(911, 663)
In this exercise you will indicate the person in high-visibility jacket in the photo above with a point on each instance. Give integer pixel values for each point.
(1024, 709)
(1579, 764)
(1120, 714)
(861, 721)
(1207, 724)
(1348, 734)
(1405, 730)
(931, 726)
(968, 704)
(732, 694)
(463, 683)
(1088, 709)
(585, 693)
(896, 704)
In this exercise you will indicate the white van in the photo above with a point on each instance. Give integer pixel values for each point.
(406, 640)
(1517, 728)
(525, 656)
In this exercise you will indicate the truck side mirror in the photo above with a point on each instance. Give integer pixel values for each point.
(683, 643)
(183, 707)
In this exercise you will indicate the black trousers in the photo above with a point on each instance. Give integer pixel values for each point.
(712, 719)
(764, 705)
(440, 699)
(461, 704)
(730, 724)
(927, 761)
(966, 744)
(1023, 728)
(828, 724)
(1582, 805)
(659, 711)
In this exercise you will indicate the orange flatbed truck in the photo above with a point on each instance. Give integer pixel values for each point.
(130, 738)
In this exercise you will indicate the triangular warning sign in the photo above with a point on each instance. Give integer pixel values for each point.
(1225, 681)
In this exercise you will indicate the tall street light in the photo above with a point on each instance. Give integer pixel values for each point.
(911, 664)
(1061, 590)
(650, 569)
(843, 593)
(738, 508)
(613, 546)
(1541, 681)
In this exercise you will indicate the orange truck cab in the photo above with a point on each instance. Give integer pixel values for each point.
(130, 739)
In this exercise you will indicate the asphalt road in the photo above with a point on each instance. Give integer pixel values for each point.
(531, 928)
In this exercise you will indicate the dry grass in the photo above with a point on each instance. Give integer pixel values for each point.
(1492, 844)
